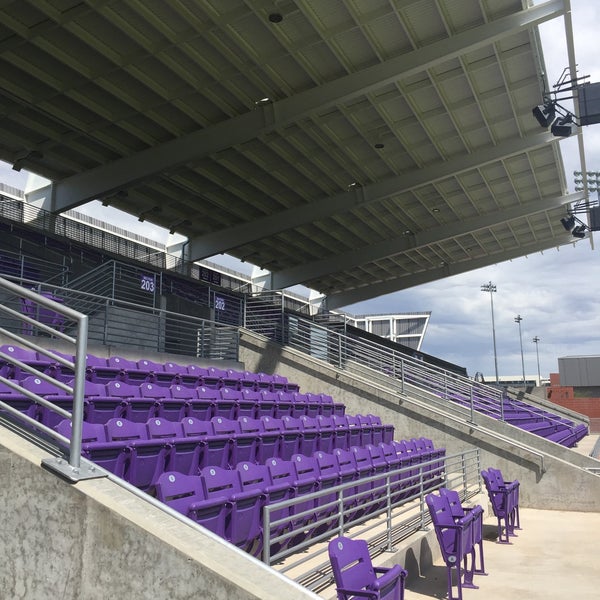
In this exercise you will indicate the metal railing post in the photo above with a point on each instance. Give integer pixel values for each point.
(78, 393)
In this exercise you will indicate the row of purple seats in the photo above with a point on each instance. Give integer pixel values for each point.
(140, 402)
(530, 418)
(145, 449)
(277, 480)
(100, 369)
(115, 367)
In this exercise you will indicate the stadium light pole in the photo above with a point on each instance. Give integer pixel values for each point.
(535, 340)
(491, 288)
(518, 320)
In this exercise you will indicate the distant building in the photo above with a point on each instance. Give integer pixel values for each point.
(517, 380)
(577, 386)
(407, 329)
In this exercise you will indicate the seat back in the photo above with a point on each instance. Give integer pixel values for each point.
(351, 564)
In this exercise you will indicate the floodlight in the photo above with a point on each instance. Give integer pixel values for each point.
(579, 231)
(544, 113)
(568, 222)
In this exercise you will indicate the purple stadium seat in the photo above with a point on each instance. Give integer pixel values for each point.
(455, 538)
(326, 433)
(303, 513)
(327, 405)
(227, 404)
(19, 401)
(175, 404)
(364, 468)
(185, 494)
(380, 465)
(355, 436)
(310, 441)
(125, 370)
(355, 576)
(504, 498)
(279, 383)
(271, 439)
(300, 405)
(291, 439)
(258, 477)
(460, 512)
(202, 406)
(267, 405)
(249, 380)
(248, 402)
(213, 377)
(51, 393)
(90, 432)
(265, 382)
(285, 403)
(146, 458)
(153, 372)
(348, 472)
(243, 446)
(243, 525)
(217, 448)
(342, 432)
(31, 358)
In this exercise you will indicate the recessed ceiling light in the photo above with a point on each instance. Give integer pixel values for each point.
(275, 17)
(379, 145)
(435, 210)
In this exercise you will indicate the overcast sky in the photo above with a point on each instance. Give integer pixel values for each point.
(557, 292)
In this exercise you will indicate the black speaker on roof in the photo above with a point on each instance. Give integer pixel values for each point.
(544, 113)
(568, 222)
(563, 127)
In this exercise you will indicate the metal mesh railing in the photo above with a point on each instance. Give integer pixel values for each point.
(132, 325)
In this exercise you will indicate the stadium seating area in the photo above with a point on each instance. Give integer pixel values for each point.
(530, 418)
(218, 445)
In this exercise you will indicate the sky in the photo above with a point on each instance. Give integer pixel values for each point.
(557, 292)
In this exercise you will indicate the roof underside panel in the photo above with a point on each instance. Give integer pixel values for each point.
(354, 146)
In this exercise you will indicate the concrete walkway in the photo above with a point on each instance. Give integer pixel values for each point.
(554, 557)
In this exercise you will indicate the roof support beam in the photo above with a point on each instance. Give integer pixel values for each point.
(224, 240)
(402, 283)
(435, 235)
(127, 171)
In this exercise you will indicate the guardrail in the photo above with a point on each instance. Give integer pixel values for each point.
(381, 526)
(129, 324)
(74, 469)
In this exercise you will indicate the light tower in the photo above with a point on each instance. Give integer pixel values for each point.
(518, 320)
(491, 288)
(536, 340)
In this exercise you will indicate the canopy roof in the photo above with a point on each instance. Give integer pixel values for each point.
(357, 147)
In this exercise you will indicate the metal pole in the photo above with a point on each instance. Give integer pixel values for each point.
(491, 288)
(518, 320)
(536, 339)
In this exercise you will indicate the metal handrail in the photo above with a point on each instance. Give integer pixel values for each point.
(403, 518)
(79, 340)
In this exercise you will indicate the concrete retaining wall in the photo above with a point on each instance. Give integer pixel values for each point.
(95, 540)
(552, 476)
